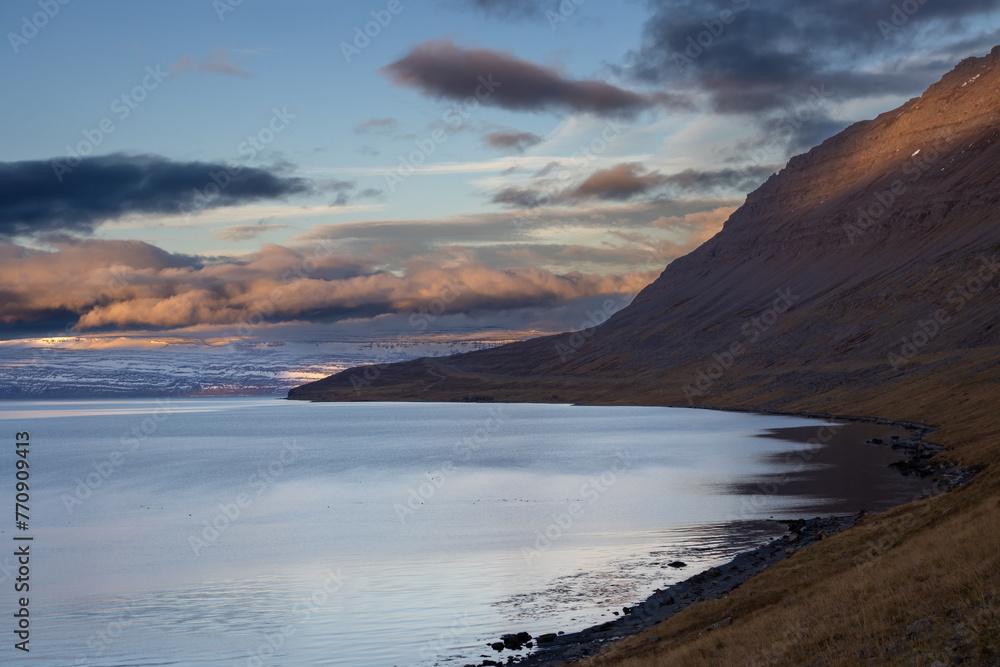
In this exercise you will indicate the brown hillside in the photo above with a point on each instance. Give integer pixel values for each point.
(871, 239)
(892, 259)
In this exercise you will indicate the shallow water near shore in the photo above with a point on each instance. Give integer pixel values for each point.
(259, 532)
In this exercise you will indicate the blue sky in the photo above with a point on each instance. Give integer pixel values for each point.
(524, 204)
(291, 57)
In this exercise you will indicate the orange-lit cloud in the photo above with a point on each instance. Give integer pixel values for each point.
(125, 284)
(471, 265)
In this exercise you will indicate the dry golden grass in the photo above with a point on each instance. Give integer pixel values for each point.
(821, 607)
(854, 598)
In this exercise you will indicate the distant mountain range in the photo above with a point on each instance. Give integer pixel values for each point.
(863, 275)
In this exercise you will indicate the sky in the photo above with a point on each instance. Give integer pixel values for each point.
(202, 165)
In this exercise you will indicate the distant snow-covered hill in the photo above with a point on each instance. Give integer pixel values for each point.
(117, 366)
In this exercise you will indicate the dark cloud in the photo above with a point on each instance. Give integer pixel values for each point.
(37, 197)
(621, 182)
(512, 140)
(441, 69)
(756, 57)
(630, 180)
(518, 197)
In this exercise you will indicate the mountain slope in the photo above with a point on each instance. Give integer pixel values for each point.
(867, 236)
(891, 258)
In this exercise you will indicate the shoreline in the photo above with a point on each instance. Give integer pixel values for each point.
(559, 649)
(710, 584)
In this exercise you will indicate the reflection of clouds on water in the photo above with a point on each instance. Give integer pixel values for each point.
(459, 554)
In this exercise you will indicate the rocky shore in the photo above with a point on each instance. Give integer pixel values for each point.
(556, 649)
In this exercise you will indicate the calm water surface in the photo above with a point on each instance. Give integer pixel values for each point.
(263, 532)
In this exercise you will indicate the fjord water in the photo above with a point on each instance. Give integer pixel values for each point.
(264, 532)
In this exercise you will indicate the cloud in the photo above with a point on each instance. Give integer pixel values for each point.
(511, 9)
(741, 180)
(441, 69)
(385, 126)
(512, 140)
(345, 194)
(339, 186)
(629, 180)
(547, 169)
(762, 57)
(468, 288)
(244, 232)
(495, 165)
(620, 182)
(216, 62)
(518, 197)
(496, 261)
(393, 244)
(41, 285)
(124, 284)
(34, 200)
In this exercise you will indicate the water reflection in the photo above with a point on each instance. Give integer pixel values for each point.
(243, 530)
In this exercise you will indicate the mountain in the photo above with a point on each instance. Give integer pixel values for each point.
(860, 280)
(866, 263)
